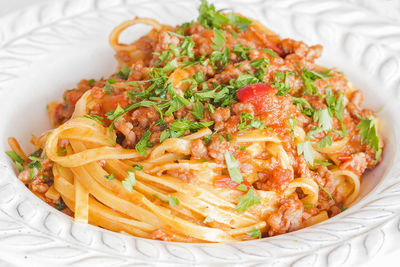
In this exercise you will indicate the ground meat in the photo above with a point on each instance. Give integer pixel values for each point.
(217, 148)
(288, 218)
(326, 175)
(183, 174)
(304, 171)
(198, 149)
(125, 128)
(276, 180)
(357, 163)
(238, 108)
(144, 117)
(355, 102)
(220, 116)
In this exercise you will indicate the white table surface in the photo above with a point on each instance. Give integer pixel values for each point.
(387, 260)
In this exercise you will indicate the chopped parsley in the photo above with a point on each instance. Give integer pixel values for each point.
(306, 149)
(137, 167)
(321, 162)
(247, 200)
(335, 104)
(326, 141)
(130, 181)
(369, 135)
(282, 82)
(255, 233)
(124, 72)
(95, 118)
(208, 219)
(108, 88)
(271, 52)
(324, 119)
(247, 121)
(329, 195)
(218, 40)
(173, 201)
(198, 110)
(241, 52)
(144, 143)
(233, 168)
(16, 159)
(61, 205)
(303, 105)
(109, 176)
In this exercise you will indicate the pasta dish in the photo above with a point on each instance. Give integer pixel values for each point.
(214, 130)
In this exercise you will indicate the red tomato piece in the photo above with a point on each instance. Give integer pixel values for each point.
(111, 102)
(253, 93)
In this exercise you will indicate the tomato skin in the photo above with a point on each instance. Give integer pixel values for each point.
(226, 182)
(253, 93)
(111, 102)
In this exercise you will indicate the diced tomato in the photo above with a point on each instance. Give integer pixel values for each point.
(344, 158)
(226, 182)
(253, 93)
(111, 102)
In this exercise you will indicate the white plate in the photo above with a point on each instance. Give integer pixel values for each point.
(48, 48)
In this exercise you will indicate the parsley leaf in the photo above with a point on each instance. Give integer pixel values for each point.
(137, 167)
(369, 135)
(247, 200)
(218, 40)
(95, 118)
(321, 162)
(60, 205)
(144, 143)
(240, 22)
(209, 18)
(303, 105)
(16, 159)
(109, 176)
(241, 52)
(220, 58)
(324, 119)
(329, 195)
(198, 110)
(124, 72)
(130, 181)
(173, 201)
(233, 168)
(326, 141)
(271, 52)
(335, 104)
(254, 233)
(247, 121)
(170, 66)
(306, 149)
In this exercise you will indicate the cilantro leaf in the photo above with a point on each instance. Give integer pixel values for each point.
(247, 200)
(306, 149)
(130, 181)
(233, 168)
(144, 143)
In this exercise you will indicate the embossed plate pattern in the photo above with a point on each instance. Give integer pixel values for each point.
(47, 48)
